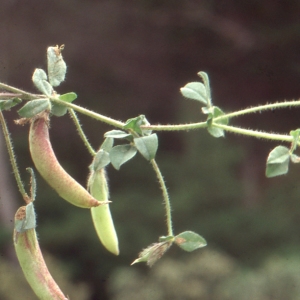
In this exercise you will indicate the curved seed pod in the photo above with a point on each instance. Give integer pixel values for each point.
(32, 262)
(101, 215)
(46, 163)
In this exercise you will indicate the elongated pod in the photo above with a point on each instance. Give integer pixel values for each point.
(104, 225)
(32, 261)
(48, 166)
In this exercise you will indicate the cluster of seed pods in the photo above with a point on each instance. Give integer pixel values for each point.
(46, 163)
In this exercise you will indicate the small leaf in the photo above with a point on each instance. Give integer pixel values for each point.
(278, 155)
(8, 104)
(147, 145)
(58, 109)
(273, 170)
(68, 97)
(117, 134)
(278, 161)
(34, 107)
(100, 161)
(136, 123)
(195, 91)
(214, 112)
(120, 154)
(153, 253)
(107, 144)
(216, 132)
(56, 65)
(27, 218)
(39, 79)
(190, 241)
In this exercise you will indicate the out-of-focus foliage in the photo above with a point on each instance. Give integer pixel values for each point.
(13, 284)
(209, 274)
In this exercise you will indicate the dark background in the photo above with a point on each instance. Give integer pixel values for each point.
(127, 58)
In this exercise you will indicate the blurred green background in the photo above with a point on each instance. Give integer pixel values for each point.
(127, 58)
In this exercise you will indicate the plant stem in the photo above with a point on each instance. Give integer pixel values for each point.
(32, 184)
(255, 133)
(12, 157)
(190, 126)
(9, 95)
(165, 196)
(81, 133)
(26, 95)
(89, 113)
(260, 108)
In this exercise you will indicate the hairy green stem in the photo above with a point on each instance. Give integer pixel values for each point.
(24, 95)
(165, 196)
(259, 108)
(9, 95)
(255, 133)
(190, 126)
(12, 157)
(80, 132)
(89, 113)
(32, 184)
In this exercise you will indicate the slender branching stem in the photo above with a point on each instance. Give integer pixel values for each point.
(259, 108)
(89, 113)
(13, 158)
(24, 95)
(190, 126)
(9, 95)
(165, 196)
(80, 132)
(255, 133)
(32, 184)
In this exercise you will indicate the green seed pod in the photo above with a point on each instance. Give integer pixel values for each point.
(32, 261)
(104, 225)
(48, 166)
